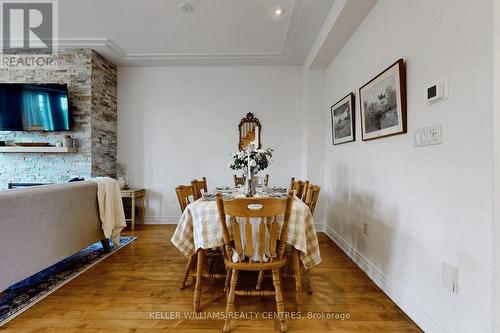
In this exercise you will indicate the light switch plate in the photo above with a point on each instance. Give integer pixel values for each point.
(428, 136)
(450, 278)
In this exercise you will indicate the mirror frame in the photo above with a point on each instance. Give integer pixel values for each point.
(249, 119)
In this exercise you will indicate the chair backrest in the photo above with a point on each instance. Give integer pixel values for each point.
(262, 180)
(199, 185)
(299, 187)
(239, 180)
(184, 192)
(311, 197)
(263, 208)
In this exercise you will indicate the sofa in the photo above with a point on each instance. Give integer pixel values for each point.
(40, 226)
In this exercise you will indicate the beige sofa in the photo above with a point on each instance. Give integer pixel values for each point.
(42, 225)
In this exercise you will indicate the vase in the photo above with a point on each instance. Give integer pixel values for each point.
(249, 189)
(121, 183)
(67, 141)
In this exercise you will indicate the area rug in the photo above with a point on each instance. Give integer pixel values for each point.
(24, 294)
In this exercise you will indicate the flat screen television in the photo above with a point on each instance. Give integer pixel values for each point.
(34, 107)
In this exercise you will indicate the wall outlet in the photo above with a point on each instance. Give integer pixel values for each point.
(365, 228)
(450, 278)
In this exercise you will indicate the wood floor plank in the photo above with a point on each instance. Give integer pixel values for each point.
(119, 294)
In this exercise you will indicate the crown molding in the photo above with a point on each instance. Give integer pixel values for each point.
(111, 49)
(92, 42)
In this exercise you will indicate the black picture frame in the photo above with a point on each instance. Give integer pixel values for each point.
(344, 122)
(382, 106)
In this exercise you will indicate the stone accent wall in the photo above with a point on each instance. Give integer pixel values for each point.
(103, 117)
(91, 81)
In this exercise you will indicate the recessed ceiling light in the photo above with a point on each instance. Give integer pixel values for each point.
(187, 7)
(278, 11)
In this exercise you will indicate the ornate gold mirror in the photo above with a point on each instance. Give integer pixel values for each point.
(250, 132)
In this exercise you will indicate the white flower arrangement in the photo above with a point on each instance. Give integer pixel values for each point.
(260, 159)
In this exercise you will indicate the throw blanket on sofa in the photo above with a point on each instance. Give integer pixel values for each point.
(110, 208)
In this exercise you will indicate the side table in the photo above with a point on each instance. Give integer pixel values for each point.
(135, 194)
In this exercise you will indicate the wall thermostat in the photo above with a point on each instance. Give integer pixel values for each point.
(437, 91)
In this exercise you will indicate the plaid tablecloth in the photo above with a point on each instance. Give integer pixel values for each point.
(199, 227)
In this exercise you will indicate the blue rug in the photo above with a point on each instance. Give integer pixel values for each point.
(29, 291)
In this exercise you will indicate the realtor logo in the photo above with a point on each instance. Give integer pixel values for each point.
(28, 26)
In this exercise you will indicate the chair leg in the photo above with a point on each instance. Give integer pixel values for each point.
(297, 275)
(230, 300)
(280, 306)
(228, 279)
(307, 276)
(199, 274)
(259, 280)
(189, 266)
(210, 265)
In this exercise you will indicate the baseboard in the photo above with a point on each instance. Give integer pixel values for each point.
(162, 219)
(420, 317)
(320, 227)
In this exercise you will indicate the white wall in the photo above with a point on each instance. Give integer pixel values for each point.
(424, 206)
(496, 169)
(179, 123)
(313, 95)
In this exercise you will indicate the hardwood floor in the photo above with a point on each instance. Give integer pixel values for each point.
(119, 294)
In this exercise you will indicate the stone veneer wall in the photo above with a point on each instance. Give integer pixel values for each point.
(103, 117)
(92, 85)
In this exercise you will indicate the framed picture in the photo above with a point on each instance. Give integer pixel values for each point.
(383, 103)
(342, 113)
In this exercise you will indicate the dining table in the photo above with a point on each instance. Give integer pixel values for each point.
(199, 230)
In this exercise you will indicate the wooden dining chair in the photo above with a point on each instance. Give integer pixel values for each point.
(238, 181)
(311, 197)
(198, 186)
(267, 209)
(262, 180)
(299, 187)
(185, 195)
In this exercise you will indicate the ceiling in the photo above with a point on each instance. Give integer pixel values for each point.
(216, 32)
